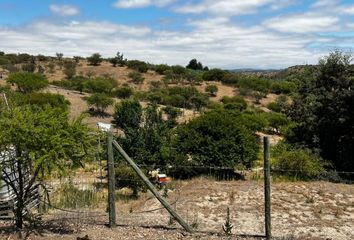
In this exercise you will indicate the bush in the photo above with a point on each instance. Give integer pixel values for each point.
(138, 66)
(235, 102)
(100, 101)
(274, 106)
(230, 78)
(99, 85)
(43, 99)
(126, 177)
(211, 90)
(277, 121)
(28, 82)
(297, 162)
(69, 69)
(128, 114)
(162, 68)
(214, 75)
(124, 92)
(136, 77)
(284, 87)
(95, 59)
(217, 138)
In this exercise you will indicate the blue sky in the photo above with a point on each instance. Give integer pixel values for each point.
(220, 33)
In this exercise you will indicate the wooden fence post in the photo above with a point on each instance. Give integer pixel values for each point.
(111, 182)
(152, 188)
(267, 201)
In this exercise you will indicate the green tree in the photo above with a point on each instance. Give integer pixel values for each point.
(28, 82)
(217, 138)
(124, 92)
(324, 111)
(195, 65)
(128, 114)
(95, 59)
(37, 141)
(69, 69)
(100, 101)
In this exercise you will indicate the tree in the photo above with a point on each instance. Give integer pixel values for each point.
(124, 92)
(211, 90)
(324, 111)
(128, 114)
(95, 59)
(100, 101)
(69, 69)
(59, 56)
(114, 61)
(217, 138)
(28, 82)
(195, 65)
(33, 149)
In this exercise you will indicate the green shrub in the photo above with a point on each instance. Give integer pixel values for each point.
(277, 121)
(42, 99)
(161, 68)
(99, 85)
(217, 138)
(95, 59)
(28, 82)
(211, 90)
(214, 75)
(137, 65)
(136, 77)
(100, 101)
(235, 102)
(284, 87)
(124, 92)
(69, 69)
(126, 177)
(274, 106)
(297, 162)
(230, 78)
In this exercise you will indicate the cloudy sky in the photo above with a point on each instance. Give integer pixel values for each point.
(220, 33)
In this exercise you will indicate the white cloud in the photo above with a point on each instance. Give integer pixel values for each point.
(64, 10)
(302, 23)
(347, 9)
(141, 3)
(324, 3)
(224, 7)
(216, 42)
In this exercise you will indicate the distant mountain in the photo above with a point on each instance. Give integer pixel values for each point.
(253, 70)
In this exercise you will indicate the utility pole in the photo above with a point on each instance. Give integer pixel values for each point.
(111, 181)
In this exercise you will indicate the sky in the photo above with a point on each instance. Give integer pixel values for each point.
(228, 34)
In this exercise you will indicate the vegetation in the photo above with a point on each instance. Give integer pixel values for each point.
(28, 82)
(35, 148)
(217, 138)
(297, 162)
(95, 59)
(136, 77)
(195, 65)
(137, 65)
(211, 90)
(100, 101)
(323, 111)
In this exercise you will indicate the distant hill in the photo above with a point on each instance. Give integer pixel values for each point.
(254, 70)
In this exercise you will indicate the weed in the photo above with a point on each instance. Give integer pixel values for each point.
(227, 227)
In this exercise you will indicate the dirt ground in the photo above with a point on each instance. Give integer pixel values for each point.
(300, 210)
